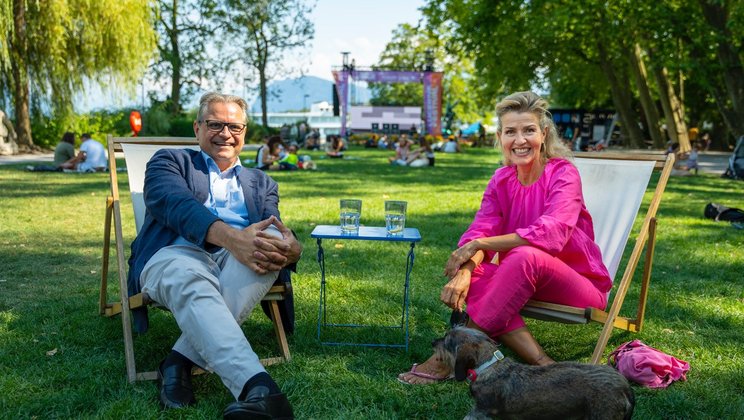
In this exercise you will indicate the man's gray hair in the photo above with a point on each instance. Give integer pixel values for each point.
(213, 97)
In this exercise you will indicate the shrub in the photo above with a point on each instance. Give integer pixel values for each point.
(48, 131)
(256, 132)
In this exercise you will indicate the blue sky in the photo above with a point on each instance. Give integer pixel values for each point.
(362, 27)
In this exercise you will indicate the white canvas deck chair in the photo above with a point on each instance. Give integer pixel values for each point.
(614, 185)
(137, 151)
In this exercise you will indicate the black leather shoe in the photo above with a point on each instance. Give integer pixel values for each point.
(174, 384)
(259, 404)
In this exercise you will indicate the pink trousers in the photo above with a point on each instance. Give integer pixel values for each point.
(499, 291)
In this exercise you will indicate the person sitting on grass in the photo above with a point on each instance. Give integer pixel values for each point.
(382, 143)
(531, 239)
(267, 157)
(64, 153)
(692, 158)
(64, 156)
(335, 147)
(402, 150)
(423, 156)
(90, 158)
(290, 160)
(687, 162)
(93, 155)
(452, 146)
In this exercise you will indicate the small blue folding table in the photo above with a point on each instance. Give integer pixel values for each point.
(365, 233)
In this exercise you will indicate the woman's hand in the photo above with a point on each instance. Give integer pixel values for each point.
(456, 290)
(459, 257)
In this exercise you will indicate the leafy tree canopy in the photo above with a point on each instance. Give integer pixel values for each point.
(411, 48)
(70, 42)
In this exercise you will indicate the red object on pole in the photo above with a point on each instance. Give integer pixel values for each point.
(135, 121)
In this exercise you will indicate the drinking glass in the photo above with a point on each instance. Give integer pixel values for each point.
(351, 211)
(395, 217)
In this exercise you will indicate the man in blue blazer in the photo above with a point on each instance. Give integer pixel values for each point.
(210, 248)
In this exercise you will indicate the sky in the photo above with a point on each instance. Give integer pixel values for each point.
(361, 27)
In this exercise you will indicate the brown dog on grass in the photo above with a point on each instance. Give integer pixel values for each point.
(509, 390)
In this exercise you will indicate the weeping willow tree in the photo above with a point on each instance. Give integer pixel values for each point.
(50, 49)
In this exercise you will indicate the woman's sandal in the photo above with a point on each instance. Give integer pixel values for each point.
(423, 375)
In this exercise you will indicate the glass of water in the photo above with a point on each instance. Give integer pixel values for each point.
(351, 211)
(395, 217)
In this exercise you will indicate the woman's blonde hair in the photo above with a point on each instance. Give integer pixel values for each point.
(531, 102)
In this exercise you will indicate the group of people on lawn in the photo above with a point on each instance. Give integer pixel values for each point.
(91, 156)
(404, 156)
(213, 242)
(275, 155)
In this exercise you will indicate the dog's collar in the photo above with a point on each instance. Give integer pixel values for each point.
(473, 373)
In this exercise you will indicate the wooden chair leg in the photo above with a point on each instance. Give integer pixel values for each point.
(103, 293)
(650, 248)
(281, 337)
(126, 322)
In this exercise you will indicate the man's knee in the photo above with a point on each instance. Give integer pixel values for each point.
(272, 230)
(176, 268)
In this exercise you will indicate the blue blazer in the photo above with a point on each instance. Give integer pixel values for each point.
(176, 187)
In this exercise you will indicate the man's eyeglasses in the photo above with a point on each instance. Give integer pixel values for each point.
(218, 126)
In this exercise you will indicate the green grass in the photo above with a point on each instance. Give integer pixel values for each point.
(60, 359)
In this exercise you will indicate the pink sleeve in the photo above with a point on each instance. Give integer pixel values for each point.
(488, 220)
(552, 230)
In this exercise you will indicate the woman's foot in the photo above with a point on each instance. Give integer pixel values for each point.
(429, 372)
(527, 348)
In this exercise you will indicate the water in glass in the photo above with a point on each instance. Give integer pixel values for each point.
(394, 223)
(350, 221)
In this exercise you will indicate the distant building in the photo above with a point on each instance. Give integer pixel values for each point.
(378, 119)
(319, 117)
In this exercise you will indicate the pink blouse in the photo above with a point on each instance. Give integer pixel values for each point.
(550, 214)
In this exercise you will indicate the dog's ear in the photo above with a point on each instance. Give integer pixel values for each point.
(464, 360)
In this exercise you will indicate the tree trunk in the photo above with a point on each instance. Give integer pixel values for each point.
(730, 119)
(717, 17)
(20, 77)
(638, 68)
(263, 93)
(175, 96)
(620, 88)
(673, 110)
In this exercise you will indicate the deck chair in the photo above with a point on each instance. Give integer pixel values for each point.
(614, 185)
(137, 151)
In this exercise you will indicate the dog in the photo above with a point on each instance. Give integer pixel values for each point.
(505, 389)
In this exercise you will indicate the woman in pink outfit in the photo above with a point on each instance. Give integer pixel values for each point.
(531, 239)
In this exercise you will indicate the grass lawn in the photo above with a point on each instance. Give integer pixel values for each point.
(60, 359)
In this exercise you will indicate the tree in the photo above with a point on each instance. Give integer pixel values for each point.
(728, 52)
(520, 45)
(640, 76)
(584, 52)
(183, 61)
(49, 51)
(692, 50)
(411, 48)
(266, 30)
(406, 51)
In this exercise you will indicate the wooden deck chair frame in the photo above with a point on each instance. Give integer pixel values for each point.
(124, 305)
(646, 237)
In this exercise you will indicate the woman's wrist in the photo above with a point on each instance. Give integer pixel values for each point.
(469, 266)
